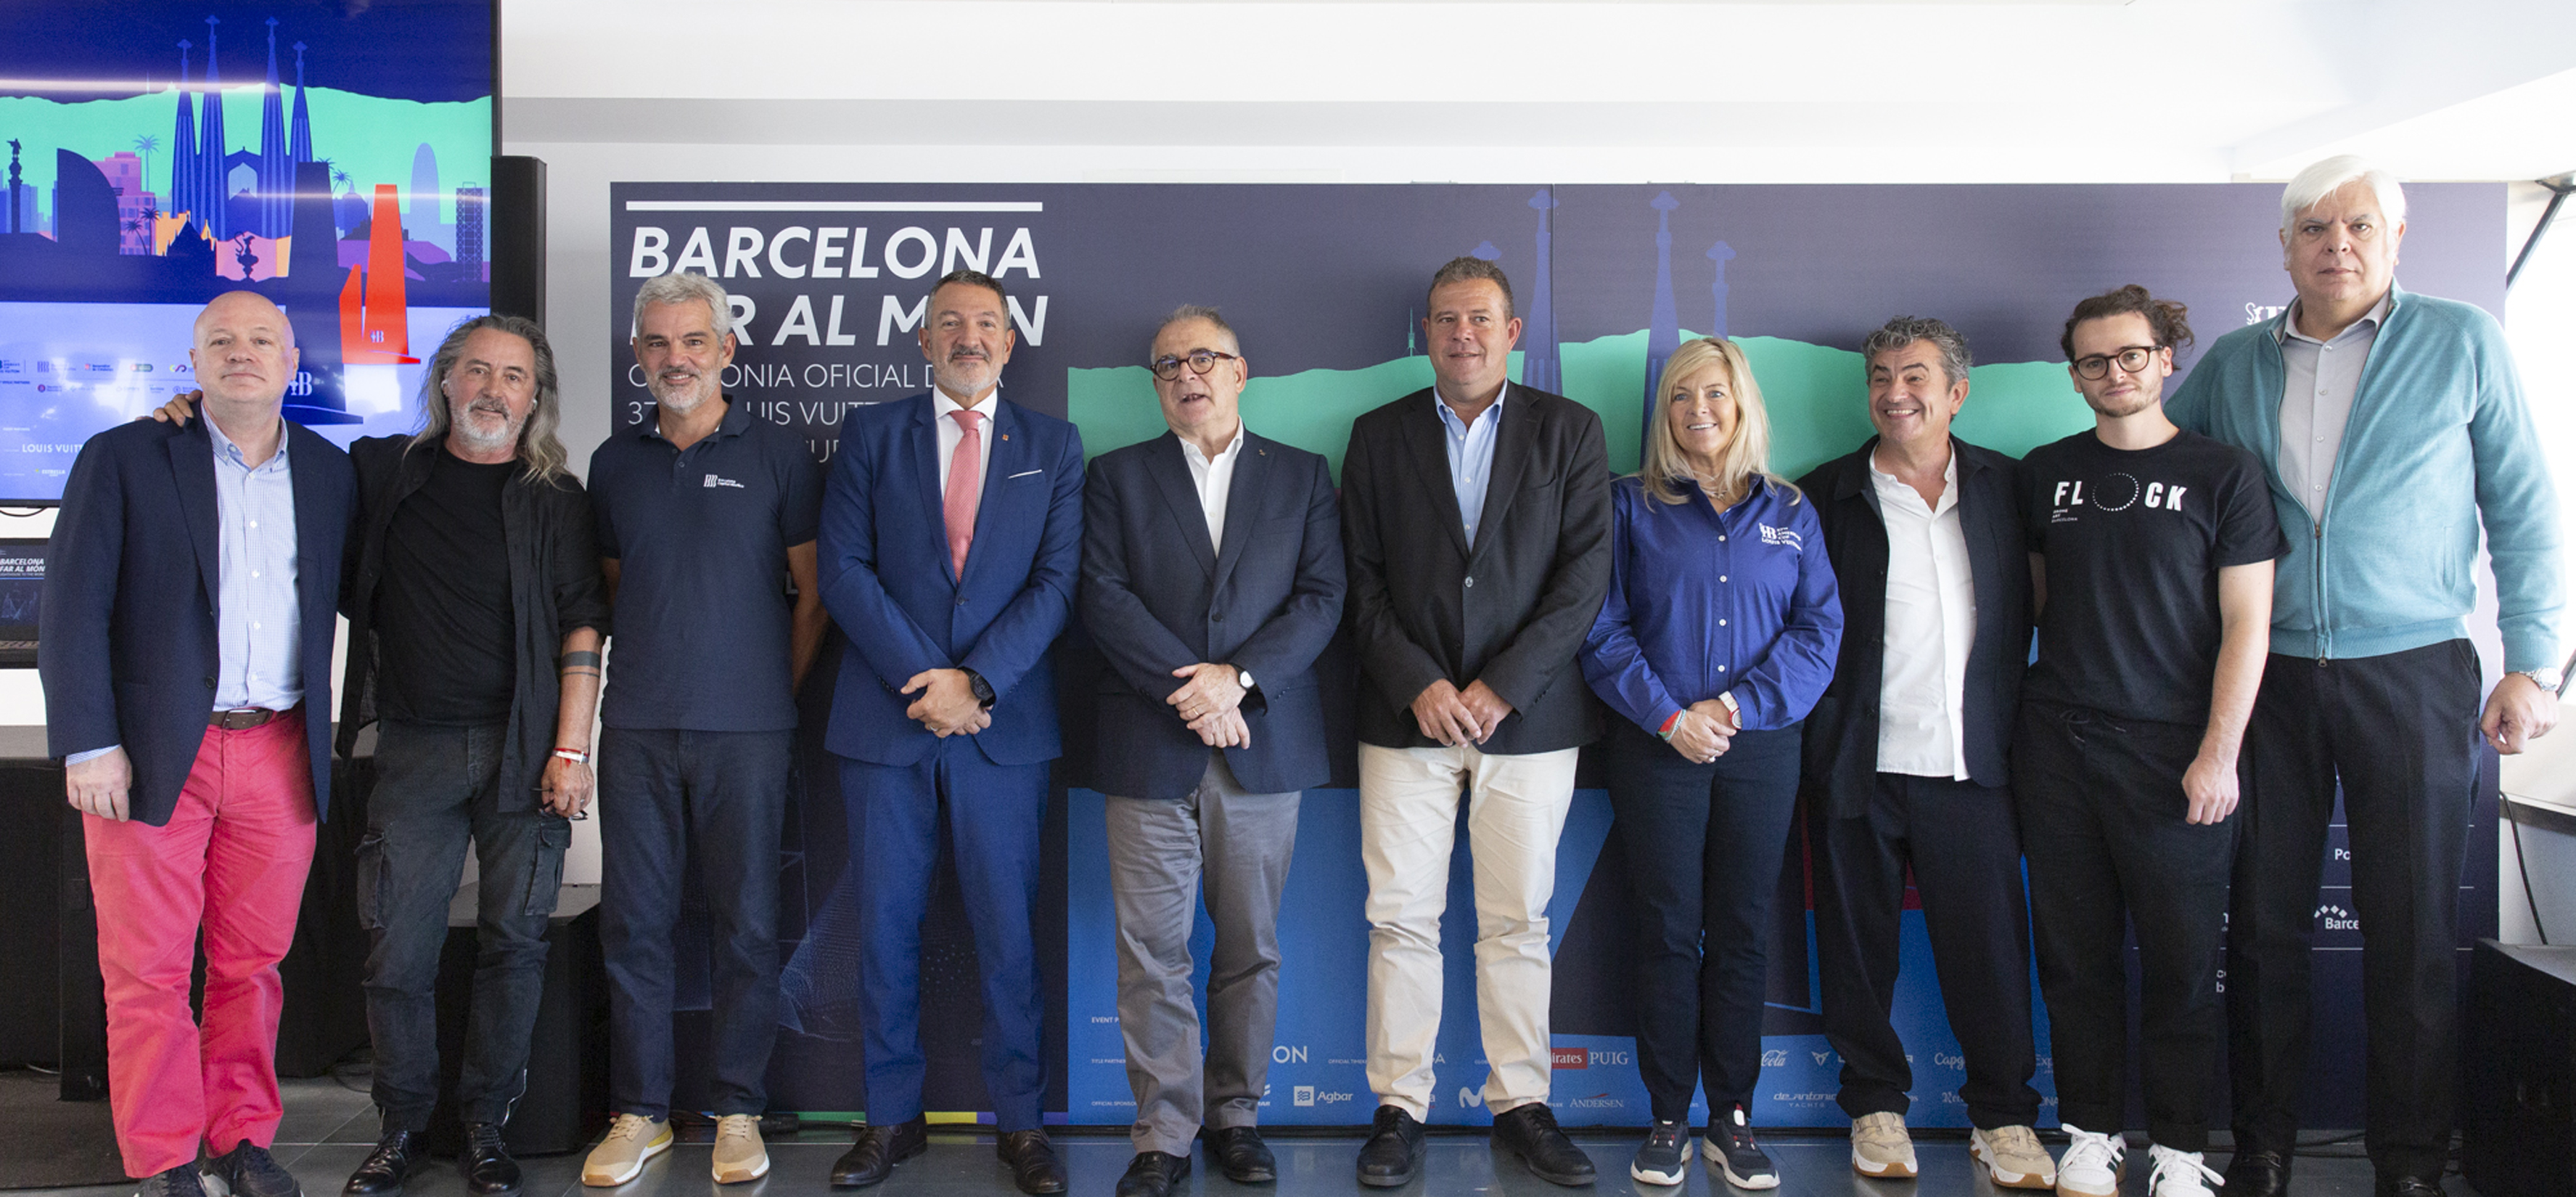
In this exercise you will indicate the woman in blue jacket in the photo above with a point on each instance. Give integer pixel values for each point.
(1720, 631)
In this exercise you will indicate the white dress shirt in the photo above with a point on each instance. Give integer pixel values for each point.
(1931, 622)
(951, 431)
(1215, 480)
(2319, 378)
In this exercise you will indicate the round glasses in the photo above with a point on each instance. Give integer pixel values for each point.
(2131, 359)
(1200, 361)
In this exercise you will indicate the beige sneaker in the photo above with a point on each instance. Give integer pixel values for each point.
(2014, 1158)
(739, 1153)
(632, 1139)
(1880, 1147)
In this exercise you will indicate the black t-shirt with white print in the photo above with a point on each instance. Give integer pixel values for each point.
(2134, 540)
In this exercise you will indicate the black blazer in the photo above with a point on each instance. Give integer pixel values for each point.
(1842, 732)
(127, 643)
(1156, 597)
(1513, 611)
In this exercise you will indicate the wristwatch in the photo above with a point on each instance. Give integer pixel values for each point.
(2547, 678)
(984, 696)
(1243, 678)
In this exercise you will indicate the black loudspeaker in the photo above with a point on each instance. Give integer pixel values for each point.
(565, 1104)
(2518, 1110)
(518, 233)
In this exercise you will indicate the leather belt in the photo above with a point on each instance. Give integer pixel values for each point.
(241, 718)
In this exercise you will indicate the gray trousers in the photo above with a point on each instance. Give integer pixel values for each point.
(1237, 845)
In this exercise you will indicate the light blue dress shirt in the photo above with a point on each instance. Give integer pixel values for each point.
(257, 622)
(1471, 455)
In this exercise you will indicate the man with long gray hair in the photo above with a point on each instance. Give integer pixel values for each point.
(706, 515)
(2393, 430)
(475, 617)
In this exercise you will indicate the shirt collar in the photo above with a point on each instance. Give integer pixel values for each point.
(1449, 415)
(1191, 447)
(737, 418)
(2376, 317)
(941, 405)
(226, 450)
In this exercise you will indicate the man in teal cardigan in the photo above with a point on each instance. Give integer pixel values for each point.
(2392, 426)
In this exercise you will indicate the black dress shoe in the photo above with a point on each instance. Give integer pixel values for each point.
(2258, 1174)
(1032, 1159)
(1393, 1153)
(181, 1181)
(878, 1150)
(1530, 1132)
(489, 1170)
(1153, 1174)
(252, 1172)
(387, 1167)
(2409, 1185)
(1241, 1154)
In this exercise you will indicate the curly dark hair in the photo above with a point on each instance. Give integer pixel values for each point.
(2165, 317)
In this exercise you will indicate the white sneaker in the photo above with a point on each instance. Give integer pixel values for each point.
(619, 1158)
(2091, 1165)
(2013, 1157)
(2174, 1173)
(1880, 1147)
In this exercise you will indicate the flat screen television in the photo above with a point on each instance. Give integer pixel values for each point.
(331, 154)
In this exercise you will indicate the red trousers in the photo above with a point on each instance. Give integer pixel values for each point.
(232, 861)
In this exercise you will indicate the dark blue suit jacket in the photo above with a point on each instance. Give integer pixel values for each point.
(127, 645)
(888, 582)
(1156, 597)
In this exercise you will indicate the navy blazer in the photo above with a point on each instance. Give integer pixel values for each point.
(127, 645)
(888, 582)
(1157, 596)
(1842, 732)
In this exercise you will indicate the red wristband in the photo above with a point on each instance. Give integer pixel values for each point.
(1666, 731)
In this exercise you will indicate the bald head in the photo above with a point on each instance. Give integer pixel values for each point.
(245, 352)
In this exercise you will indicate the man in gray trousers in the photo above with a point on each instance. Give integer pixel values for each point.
(1211, 579)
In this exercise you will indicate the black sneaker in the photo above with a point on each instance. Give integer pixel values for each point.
(1730, 1146)
(1664, 1156)
(249, 1171)
(181, 1181)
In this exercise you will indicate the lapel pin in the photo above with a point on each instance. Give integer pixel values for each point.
(1006, 436)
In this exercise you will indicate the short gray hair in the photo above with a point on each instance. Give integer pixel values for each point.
(1193, 311)
(2332, 175)
(1465, 270)
(676, 288)
(1906, 330)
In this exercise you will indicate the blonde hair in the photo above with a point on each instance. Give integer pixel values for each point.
(1747, 455)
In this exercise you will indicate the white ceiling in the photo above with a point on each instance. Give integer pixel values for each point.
(1921, 91)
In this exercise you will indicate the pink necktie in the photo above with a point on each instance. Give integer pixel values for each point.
(965, 487)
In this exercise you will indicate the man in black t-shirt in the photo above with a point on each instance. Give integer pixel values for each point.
(2151, 554)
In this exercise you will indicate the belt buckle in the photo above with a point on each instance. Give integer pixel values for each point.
(243, 718)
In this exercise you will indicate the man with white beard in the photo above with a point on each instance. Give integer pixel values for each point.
(705, 515)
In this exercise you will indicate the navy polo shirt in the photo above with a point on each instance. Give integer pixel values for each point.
(701, 538)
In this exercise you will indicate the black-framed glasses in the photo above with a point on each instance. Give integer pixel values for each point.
(1200, 361)
(2132, 359)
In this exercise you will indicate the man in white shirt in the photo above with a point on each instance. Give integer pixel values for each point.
(1906, 757)
(1211, 580)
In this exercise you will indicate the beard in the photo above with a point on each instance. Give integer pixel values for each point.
(681, 397)
(474, 428)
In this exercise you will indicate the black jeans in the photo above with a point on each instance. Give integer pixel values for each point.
(1961, 840)
(437, 787)
(1705, 845)
(2400, 732)
(2103, 821)
(670, 799)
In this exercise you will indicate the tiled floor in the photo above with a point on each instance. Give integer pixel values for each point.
(330, 1127)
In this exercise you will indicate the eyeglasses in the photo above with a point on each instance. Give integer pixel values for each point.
(2132, 360)
(1200, 361)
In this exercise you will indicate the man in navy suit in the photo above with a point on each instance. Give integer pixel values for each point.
(952, 531)
(188, 617)
(1211, 579)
